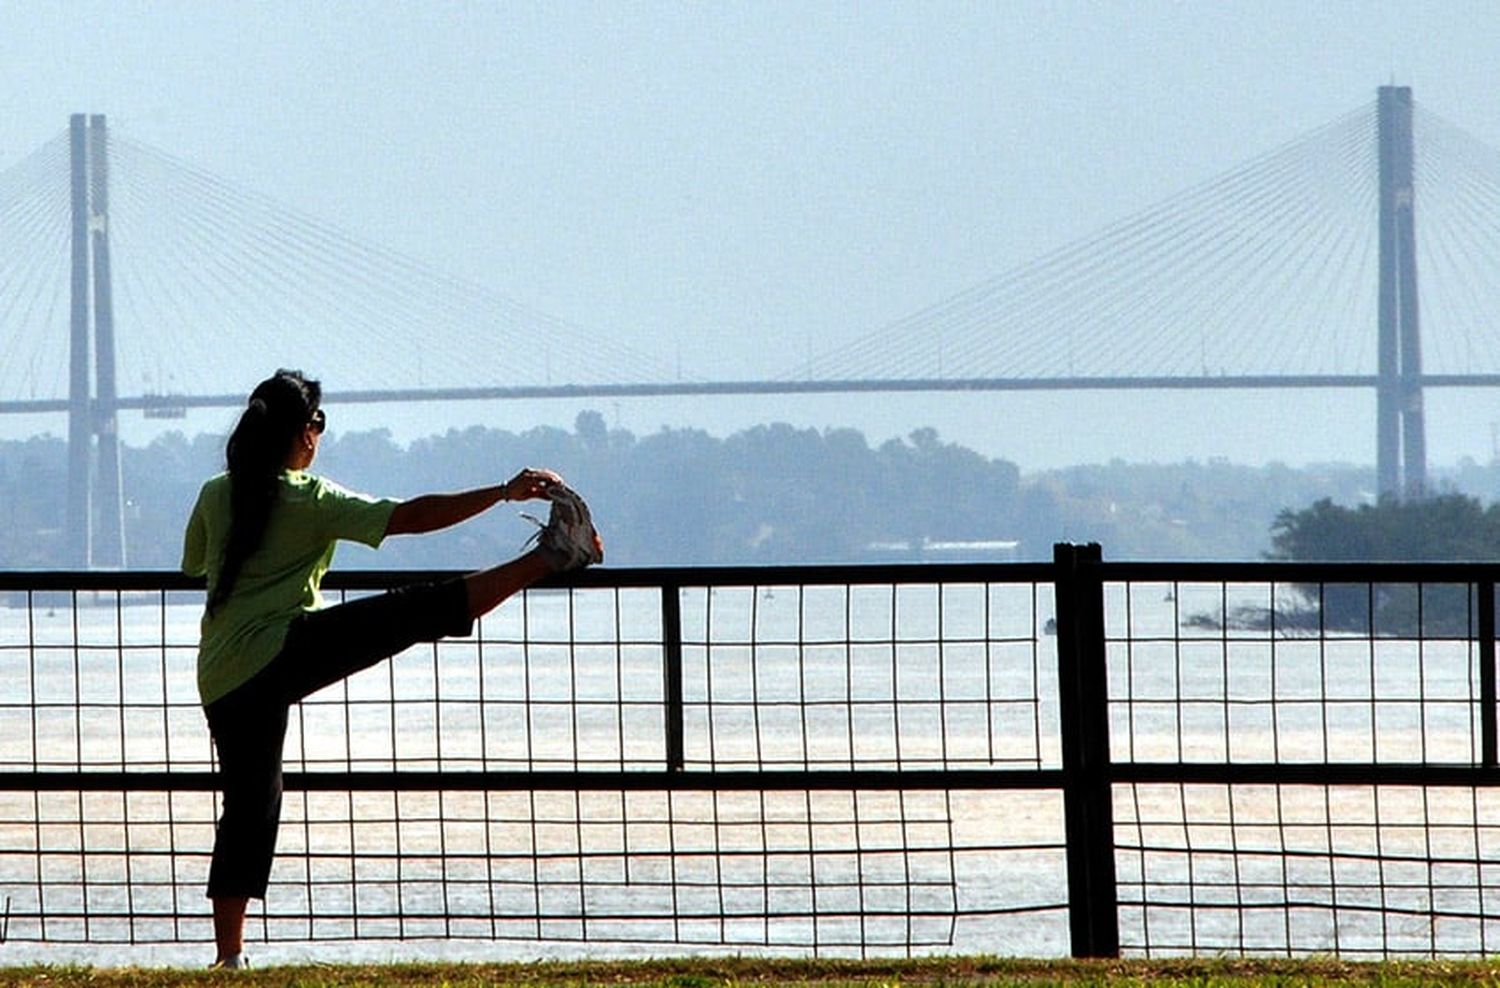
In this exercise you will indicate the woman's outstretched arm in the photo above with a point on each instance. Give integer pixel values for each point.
(431, 512)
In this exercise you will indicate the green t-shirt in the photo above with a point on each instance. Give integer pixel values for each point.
(280, 579)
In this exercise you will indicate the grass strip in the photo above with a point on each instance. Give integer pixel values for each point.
(732, 972)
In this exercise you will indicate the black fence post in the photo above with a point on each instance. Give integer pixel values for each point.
(671, 631)
(1489, 757)
(1088, 807)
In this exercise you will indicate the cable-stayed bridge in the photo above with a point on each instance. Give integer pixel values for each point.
(132, 280)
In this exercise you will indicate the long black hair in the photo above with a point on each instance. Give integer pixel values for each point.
(279, 408)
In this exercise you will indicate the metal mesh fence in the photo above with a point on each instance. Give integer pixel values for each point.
(1285, 760)
(722, 764)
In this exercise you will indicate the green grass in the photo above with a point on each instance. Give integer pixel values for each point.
(729, 973)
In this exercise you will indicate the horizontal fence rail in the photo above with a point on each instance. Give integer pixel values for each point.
(1084, 757)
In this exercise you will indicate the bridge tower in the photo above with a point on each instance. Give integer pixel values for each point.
(95, 525)
(1401, 454)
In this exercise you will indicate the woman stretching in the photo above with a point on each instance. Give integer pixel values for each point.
(263, 534)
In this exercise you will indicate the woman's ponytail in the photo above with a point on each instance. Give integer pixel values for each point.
(279, 408)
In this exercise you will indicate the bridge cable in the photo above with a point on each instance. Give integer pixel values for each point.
(1122, 277)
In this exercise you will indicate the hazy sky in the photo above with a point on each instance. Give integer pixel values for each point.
(733, 185)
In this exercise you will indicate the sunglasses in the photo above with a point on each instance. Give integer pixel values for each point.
(318, 421)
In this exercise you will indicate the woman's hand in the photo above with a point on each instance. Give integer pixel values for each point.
(530, 483)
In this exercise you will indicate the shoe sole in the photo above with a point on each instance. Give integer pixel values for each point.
(575, 517)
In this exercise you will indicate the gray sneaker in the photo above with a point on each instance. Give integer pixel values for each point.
(569, 533)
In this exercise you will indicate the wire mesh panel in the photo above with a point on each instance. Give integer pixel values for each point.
(869, 676)
(1294, 672)
(519, 785)
(1305, 761)
(1357, 871)
(563, 680)
(861, 871)
(763, 869)
(99, 679)
(105, 866)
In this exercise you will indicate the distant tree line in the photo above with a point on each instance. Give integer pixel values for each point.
(773, 494)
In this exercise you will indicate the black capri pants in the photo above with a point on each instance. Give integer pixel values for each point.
(248, 724)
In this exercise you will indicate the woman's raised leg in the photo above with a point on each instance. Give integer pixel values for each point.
(488, 588)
